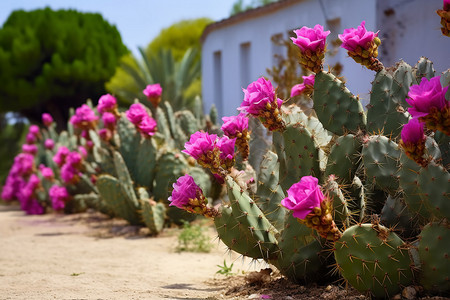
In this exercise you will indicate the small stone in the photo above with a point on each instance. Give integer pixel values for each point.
(328, 288)
(288, 298)
(253, 296)
(409, 293)
(397, 297)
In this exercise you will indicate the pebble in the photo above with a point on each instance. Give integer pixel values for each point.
(409, 293)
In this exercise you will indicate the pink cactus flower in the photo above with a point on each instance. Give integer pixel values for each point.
(49, 144)
(200, 143)
(83, 152)
(412, 132)
(34, 207)
(312, 39)
(257, 95)
(30, 138)
(136, 113)
(109, 120)
(47, 119)
(352, 38)
(308, 84)
(46, 172)
(226, 147)
(74, 158)
(147, 126)
(30, 149)
(69, 174)
(153, 90)
(184, 190)
(428, 94)
(23, 164)
(234, 125)
(59, 196)
(446, 5)
(303, 197)
(60, 157)
(34, 129)
(84, 117)
(106, 103)
(105, 134)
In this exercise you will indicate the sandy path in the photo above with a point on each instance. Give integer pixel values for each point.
(75, 257)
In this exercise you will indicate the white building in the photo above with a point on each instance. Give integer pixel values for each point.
(238, 50)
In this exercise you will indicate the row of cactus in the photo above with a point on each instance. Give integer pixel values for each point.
(119, 163)
(360, 194)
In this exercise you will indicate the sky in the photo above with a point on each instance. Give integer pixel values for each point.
(138, 21)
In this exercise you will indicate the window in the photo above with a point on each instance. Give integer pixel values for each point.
(245, 64)
(217, 65)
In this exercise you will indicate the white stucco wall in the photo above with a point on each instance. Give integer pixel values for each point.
(258, 32)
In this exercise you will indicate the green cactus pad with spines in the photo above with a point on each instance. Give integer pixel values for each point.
(187, 122)
(130, 140)
(163, 127)
(302, 155)
(117, 199)
(344, 158)
(424, 68)
(443, 142)
(213, 114)
(404, 78)
(380, 155)
(124, 178)
(251, 223)
(301, 253)
(153, 213)
(384, 113)
(357, 203)
(202, 179)
(434, 250)
(145, 163)
(269, 191)
(396, 215)
(336, 107)
(104, 159)
(169, 167)
(373, 260)
(342, 214)
(434, 188)
(445, 81)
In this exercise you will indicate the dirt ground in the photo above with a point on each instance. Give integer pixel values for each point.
(89, 256)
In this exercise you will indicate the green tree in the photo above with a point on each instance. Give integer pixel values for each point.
(172, 59)
(179, 37)
(239, 5)
(179, 79)
(53, 60)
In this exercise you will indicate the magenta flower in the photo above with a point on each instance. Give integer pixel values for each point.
(153, 90)
(428, 94)
(303, 197)
(23, 164)
(69, 173)
(147, 126)
(59, 196)
(226, 147)
(29, 148)
(184, 190)
(30, 138)
(105, 134)
(34, 129)
(359, 37)
(234, 125)
(49, 144)
(446, 5)
(312, 39)
(136, 113)
(47, 119)
(26, 195)
(257, 95)
(200, 143)
(74, 158)
(46, 172)
(84, 117)
(308, 84)
(109, 120)
(83, 152)
(60, 157)
(412, 132)
(106, 103)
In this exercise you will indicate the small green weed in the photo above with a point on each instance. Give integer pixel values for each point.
(193, 238)
(225, 270)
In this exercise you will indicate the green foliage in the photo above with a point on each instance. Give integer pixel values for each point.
(239, 5)
(194, 238)
(54, 60)
(225, 270)
(12, 135)
(179, 37)
(178, 79)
